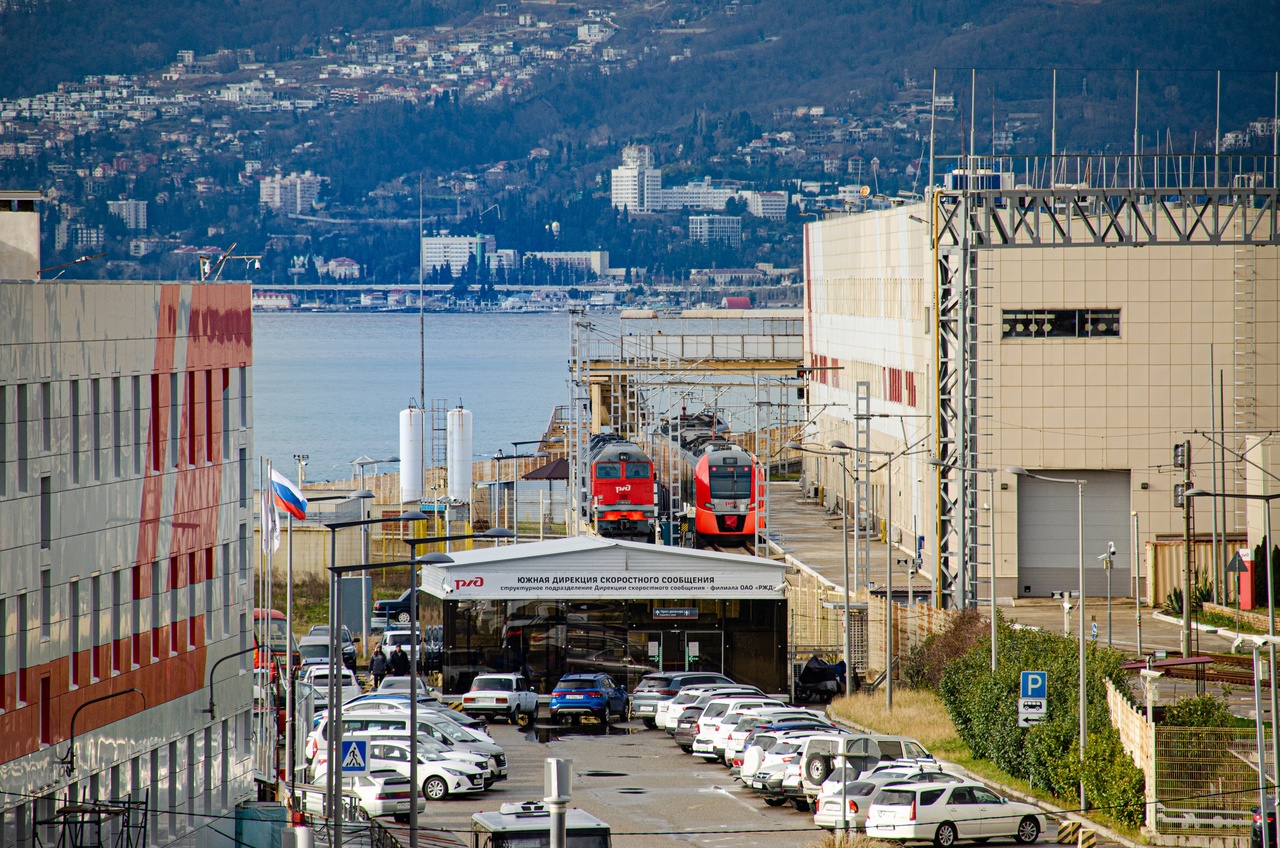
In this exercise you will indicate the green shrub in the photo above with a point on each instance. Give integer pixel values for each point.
(984, 708)
(1199, 711)
(924, 664)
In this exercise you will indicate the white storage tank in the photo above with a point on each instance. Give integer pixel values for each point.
(459, 447)
(411, 433)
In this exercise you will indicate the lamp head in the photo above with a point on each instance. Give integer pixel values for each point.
(838, 445)
(1196, 493)
(497, 533)
(434, 558)
(361, 494)
(414, 515)
(1017, 471)
(793, 446)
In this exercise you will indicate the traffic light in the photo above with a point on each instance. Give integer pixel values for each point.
(1180, 454)
(1179, 494)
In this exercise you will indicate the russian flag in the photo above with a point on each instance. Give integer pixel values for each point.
(288, 497)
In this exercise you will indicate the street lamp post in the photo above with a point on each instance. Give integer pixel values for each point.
(515, 477)
(1271, 606)
(332, 777)
(937, 463)
(844, 533)
(360, 464)
(1079, 484)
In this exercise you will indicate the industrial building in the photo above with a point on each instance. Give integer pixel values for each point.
(1079, 332)
(125, 526)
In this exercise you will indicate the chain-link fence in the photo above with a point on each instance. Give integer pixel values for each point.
(1206, 779)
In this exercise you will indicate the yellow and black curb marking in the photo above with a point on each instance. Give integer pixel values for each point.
(1088, 838)
(1069, 832)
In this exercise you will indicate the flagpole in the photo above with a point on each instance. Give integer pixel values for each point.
(290, 725)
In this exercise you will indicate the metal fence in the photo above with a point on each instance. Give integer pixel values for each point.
(1206, 780)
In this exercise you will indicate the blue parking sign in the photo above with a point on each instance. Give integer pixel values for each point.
(1035, 684)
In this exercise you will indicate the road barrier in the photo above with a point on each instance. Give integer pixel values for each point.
(1068, 832)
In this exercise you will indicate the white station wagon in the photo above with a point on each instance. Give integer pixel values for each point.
(948, 814)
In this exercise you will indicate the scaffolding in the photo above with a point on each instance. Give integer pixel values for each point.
(1114, 201)
(95, 824)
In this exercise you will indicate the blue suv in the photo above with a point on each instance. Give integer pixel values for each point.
(597, 695)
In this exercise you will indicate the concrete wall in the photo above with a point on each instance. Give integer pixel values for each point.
(19, 244)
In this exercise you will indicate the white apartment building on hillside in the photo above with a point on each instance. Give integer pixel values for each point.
(456, 251)
(293, 194)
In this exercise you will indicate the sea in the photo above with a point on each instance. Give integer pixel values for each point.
(331, 384)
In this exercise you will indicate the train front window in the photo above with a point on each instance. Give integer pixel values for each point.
(638, 471)
(609, 471)
(728, 483)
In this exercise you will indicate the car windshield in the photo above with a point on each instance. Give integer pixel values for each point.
(309, 652)
(578, 684)
(783, 748)
(493, 684)
(730, 481)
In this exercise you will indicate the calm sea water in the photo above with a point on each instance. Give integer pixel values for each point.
(332, 385)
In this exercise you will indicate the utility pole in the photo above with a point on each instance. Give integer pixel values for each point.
(1182, 459)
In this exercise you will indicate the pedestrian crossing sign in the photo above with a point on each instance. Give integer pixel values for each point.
(355, 756)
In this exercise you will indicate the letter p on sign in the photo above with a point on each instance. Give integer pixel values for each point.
(1035, 684)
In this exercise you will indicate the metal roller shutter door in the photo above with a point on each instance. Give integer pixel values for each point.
(1047, 533)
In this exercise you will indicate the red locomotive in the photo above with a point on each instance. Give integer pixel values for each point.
(622, 490)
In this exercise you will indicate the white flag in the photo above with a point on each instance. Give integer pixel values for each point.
(269, 522)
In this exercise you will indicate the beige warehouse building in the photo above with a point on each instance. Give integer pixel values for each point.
(1090, 360)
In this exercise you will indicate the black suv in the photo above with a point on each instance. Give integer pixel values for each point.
(387, 613)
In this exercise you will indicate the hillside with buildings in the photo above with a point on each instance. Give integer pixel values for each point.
(678, 137)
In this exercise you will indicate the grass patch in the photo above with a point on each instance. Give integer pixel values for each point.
(1213, 618)
(921, 715)
(852, 840)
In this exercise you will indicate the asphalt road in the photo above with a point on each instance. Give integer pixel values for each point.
(639, 782)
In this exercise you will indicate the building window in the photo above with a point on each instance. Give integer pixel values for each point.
(208, 595)
(137, 616)
(137, 424)
(226, 589)
(244, 553)
(244, 479)
(193, 582)
(226, 412)
(4, 439)
(73, 414)
(244, 641)
(208, 416)
(4, 657)
(95, 425)
(157, 458)
(157, 578)
(192, 433)
(1060, 324)
(95, 628)
(117, 434)
(24, 636)
(46, 604)
(175, 407)
(244, 397)
(24, 435)
(175, 582)
(117, 620)
(46, 417)
(46, 513)
(46, 712)
(73, 624)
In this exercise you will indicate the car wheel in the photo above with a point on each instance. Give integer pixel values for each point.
(626, 712)
(688, 749)
(650, 723)
(1028, 830)
(362, 814)
(945, 835)
(801, 804)
(605, 714)
(775, 802)
(402, 617)
(435, 788)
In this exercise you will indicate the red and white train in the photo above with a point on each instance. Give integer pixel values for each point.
(722, 481)
(622, 502)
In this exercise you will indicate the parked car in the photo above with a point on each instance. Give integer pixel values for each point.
(720, 716)
(507, 696)
(426, 745)
(861, 751)
(379, 793)
(440, 775)
(318, 677)
(589, 694)
(1255, 832)
(389, 612)
(948, 814)
(321, 631)
(314, 650)
(399, 702)
(669, 710)
(856, 795)
(661, 686)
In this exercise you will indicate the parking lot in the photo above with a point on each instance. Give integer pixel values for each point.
(639, 782)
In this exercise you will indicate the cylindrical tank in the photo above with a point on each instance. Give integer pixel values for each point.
(411, 424)
(459, 446)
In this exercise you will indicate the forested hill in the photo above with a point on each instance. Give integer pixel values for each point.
(45, 42)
